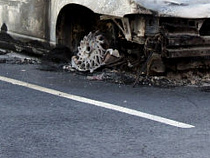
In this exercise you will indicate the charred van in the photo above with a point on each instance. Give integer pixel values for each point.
(156, 31)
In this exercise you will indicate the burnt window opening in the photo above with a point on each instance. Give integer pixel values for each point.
(205, 29)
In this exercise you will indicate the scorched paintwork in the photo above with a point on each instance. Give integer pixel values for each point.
(36, 19)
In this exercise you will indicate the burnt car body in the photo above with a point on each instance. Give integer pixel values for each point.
(170, 29)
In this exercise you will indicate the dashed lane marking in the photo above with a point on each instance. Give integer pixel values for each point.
(97, 103)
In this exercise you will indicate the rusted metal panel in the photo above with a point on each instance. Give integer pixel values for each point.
(188, 52)
(175, 8)
(181, 41)
(108, 7)
(25, 18)
(115, 8)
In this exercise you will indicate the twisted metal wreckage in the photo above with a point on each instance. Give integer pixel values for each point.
(152, 34)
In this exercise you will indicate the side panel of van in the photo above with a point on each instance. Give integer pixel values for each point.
(25, 18)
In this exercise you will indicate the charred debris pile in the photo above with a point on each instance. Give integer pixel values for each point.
(98, 60)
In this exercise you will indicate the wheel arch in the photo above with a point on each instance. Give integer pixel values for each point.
(72, 20)
(117, 8)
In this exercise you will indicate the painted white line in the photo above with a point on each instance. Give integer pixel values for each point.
(98, 103)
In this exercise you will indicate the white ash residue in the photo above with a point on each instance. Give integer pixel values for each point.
(178, 8)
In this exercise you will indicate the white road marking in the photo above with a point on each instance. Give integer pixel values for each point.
(98, 103)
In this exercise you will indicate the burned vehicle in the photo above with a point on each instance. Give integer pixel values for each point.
(158, 34)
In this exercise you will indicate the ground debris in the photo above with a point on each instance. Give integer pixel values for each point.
(16, 58)
(129, 78)
(114, 77)
(172, 79)
(3, 52)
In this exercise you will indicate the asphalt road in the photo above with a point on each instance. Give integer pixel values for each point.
(35, 124)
